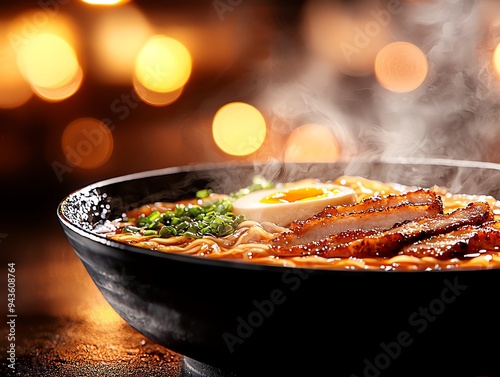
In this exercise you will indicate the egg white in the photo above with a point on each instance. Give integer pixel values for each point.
(283, 214)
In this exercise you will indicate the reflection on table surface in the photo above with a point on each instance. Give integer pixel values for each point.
(64, 326)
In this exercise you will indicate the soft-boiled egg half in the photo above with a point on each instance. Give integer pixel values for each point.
(292, 202)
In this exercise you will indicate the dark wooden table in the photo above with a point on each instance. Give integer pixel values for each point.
(62, 324)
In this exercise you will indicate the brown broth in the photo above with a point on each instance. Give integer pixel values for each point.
(250, 244)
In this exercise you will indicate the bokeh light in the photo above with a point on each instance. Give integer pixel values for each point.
(311, 143)
(14, 90)
(348, 38)
(46, 49)
(117, 36)
(105, 2)
(239, 129)
(163, 64)
(401, 67)
(47, 61)
(87, 143)
(61, 92)
(154, 98)
(31, 23)
(496, 59)
(222, 49)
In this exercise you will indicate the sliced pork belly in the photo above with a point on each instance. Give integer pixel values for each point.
(373, 219)
(465, 241)
(419, 196)
(370, 243)
(319, 247)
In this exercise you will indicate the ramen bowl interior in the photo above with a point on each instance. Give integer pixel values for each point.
(240, 318)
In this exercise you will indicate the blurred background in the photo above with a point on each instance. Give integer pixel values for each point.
(99, 88)
(95, 89)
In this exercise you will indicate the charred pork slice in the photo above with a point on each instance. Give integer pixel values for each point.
(417, 197)
(370, 215)
(388, 243)
(319, 247)
(467, 241)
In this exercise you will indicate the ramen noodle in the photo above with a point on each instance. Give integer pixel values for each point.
(252, 240)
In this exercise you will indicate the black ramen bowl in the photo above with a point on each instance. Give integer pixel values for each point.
(236, 318)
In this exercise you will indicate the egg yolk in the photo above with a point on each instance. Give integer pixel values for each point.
(299, 195)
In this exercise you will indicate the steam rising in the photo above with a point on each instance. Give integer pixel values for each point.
(453, 114)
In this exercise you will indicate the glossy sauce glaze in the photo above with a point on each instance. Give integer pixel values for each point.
(251, 242)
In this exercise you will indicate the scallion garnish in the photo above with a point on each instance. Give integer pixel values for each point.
(213, 218)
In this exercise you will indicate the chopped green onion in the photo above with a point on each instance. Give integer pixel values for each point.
(167, 231)
(258, 183)
(212, 218)
(131, 229)
(203, 193)
(149, 220)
